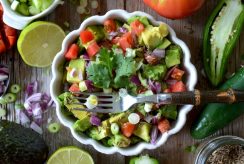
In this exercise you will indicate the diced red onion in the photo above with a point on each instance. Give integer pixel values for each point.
(111, 35)
(155, 120)
(3, 77)
(31, 89)
(135, 79)
(148, 118)
(154, 86)
(24, 119)
(86, 57)
(89, 85)
(4, 70)
(36, 127)
(167, 76)
(122, 30)
(94, 120)
(154, 135)
(159, 53)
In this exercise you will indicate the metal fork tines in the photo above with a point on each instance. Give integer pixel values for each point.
(107, 103)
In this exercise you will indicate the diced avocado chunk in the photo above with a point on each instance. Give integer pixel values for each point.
(119, 140)
(98, 132)
(142, 19)
(173, 55)
(119, 118)
(156, 72)
(70, 102)
(143, 131)
(166, 43)
(97, 31)
(82, 86)
(153, 36)
(76, 70)
(82, 125)
(23, 9)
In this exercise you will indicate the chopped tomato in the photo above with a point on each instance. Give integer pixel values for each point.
(2, 46)
(127, 129)
(163, 125)
(126, 41)
(92, 49)
(166, 90)
(178, 87)
(115, 40)
(110, 25)
(72, 52)
(137, 27)
(86, 36)
(74, 88)
(177, 74)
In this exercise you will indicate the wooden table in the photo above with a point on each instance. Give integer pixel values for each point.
(189, 30)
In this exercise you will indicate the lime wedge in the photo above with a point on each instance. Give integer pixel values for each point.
(70, 155)
(39, 42)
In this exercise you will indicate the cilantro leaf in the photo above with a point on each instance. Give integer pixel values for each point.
(125, 68)
(106, 58)
(99, 74)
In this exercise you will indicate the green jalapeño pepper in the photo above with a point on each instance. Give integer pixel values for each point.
(216, 115)
(221, 32)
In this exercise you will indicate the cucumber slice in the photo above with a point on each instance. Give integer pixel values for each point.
(10, 97)
(15, 88)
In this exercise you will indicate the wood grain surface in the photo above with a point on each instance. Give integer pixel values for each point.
(189, 30)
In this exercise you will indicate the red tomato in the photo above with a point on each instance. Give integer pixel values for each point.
(174, 9)
(86, 36)
(110, 25)
(92, 49)
(178, 87)
(74, 88)
(127, 129)
(137, 27)
(2, 46)
(177, 74)
(163, 125)
(126, 41)
(72, 52)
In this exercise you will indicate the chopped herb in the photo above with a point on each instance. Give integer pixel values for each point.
(191, 149)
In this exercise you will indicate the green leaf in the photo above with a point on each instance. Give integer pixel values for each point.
(99, 74)
(191, 149)
(106, 58)
(143, 20)
(169, 111)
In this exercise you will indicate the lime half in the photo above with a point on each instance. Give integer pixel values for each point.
(39, 42)
(70, 155)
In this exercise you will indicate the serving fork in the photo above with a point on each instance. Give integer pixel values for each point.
(115, 103)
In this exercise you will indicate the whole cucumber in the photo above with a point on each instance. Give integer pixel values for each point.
(216, 115)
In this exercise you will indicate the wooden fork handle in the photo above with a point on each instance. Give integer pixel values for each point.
(202, 97)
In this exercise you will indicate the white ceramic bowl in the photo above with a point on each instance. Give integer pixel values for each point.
(57, 86)
(18, 21)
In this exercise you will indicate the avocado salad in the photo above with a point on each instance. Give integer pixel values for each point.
(133, 55)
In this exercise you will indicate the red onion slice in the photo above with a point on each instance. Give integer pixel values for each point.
(94, 120)
(154, 135)
(36, 127)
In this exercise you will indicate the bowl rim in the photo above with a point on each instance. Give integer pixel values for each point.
(133, 150)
